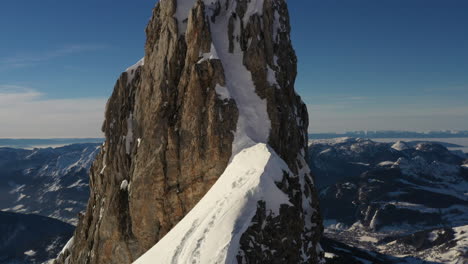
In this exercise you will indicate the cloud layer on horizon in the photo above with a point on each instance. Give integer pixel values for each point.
(27, 113)
(397, 112)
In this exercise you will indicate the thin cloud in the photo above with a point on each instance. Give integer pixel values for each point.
(357, 98)
(27, 113)
(338, 98)
(31, 59)
(14, 94)
(457, 88)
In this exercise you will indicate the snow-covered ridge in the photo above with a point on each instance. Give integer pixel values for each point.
(211, 232)
(135, 66)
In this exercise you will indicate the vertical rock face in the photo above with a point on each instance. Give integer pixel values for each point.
(217, 78)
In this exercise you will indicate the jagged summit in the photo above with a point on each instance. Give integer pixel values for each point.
(211, 104)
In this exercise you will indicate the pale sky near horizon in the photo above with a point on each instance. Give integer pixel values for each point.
(363, 64)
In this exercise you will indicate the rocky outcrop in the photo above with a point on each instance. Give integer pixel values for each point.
(217, 78)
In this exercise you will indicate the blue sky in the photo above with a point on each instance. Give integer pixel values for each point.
(363, 64)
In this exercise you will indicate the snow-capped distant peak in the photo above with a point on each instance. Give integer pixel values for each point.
(386, 163)
(400, 146)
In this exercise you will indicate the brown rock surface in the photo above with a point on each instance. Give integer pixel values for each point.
(169, 136)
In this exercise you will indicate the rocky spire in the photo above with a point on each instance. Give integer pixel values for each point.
(216, 86)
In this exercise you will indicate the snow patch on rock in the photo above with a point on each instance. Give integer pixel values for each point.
(271, 77)
(223, 92)
(132, 69)
(68, 246)
(212, 55)
(124, 185)
(30, 253)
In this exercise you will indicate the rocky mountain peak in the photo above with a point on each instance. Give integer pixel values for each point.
(213, 101)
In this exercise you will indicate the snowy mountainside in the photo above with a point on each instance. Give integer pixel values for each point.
(443, 245)
(440, 246)
(31, 239)
(211, 232)
(342, 157)
(52, 182)
(373, 194)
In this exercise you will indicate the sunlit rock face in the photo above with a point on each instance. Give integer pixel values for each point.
(217, 80)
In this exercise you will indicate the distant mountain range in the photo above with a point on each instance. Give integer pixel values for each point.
(396, 199)
(59, 142)
(51, 182)
(391, 134)
(44, 143)
(42, 192)
(403, 202)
